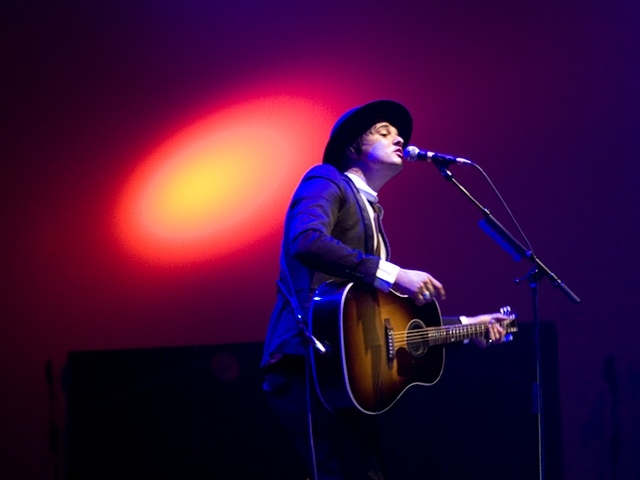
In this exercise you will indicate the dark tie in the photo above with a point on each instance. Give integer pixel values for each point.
(377, 215)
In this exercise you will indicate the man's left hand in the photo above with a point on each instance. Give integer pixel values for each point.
(495, 331)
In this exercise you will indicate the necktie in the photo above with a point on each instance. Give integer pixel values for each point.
(380, 249)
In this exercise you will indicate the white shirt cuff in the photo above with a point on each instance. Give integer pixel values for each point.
(386, 275)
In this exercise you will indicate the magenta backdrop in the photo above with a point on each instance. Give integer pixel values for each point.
(543, 95)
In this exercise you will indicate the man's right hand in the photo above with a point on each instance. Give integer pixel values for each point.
(419, 286)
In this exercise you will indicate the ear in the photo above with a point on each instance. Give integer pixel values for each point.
(355, 149)
(352, 152)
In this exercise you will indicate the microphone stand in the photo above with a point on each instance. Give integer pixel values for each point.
(539, 271)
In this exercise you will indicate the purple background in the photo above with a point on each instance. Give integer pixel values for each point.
(543, 95)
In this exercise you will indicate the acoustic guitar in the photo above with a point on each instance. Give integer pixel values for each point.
(379, 344)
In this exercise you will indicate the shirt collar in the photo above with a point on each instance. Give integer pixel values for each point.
(363, 188)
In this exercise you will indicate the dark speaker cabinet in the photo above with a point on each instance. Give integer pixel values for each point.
(198, 413)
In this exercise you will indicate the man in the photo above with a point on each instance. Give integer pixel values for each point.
(331, 232)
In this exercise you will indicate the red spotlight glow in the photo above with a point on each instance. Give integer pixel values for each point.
(221, 183)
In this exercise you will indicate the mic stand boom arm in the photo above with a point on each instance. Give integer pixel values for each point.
(508, 242)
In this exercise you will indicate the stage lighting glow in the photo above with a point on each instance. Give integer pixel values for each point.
(221, 183)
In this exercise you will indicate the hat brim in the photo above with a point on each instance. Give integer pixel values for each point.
(357, 121)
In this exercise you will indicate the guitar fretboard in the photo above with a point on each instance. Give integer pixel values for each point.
(448, 334)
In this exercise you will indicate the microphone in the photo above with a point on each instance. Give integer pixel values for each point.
(412, 154)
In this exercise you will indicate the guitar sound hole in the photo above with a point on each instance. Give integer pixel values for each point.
(416, 344)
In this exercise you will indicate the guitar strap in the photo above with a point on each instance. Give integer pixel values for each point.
(303, 325)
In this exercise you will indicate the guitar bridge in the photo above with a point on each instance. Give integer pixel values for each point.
(391, 347)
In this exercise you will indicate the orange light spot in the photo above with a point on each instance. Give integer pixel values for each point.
(222, 182)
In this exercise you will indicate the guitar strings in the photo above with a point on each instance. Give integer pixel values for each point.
(444, 333)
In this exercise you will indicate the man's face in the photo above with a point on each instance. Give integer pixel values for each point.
(382, 145)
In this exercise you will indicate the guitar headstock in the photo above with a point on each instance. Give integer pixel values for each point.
(507, 312)
(510, 323)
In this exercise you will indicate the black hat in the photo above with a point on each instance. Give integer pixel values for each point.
(358, 120)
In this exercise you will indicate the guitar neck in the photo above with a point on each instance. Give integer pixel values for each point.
(460, 333)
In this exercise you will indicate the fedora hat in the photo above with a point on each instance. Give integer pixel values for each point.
(358, 120)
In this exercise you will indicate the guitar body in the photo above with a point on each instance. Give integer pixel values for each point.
(370, 361)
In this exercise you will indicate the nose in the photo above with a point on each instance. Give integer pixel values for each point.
(398, 141)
